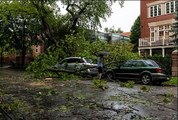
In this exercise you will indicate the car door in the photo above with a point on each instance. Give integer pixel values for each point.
(75, 64)
(137, 68)
(71, 62)
(63, 64)
(125, 71)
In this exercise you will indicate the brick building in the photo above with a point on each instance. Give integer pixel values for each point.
(157, 17)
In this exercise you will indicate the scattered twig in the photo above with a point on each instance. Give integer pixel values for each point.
(6, 115)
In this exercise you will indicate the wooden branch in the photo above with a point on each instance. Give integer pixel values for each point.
(76, 16)
(57, 71)
(68, 10)
(6, 115)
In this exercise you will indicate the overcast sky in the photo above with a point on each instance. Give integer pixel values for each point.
(123, 17)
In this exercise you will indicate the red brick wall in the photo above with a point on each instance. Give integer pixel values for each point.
(144, 20)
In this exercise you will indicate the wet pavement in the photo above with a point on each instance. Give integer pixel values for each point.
(78, 100)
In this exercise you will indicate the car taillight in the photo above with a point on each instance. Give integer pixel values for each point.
(159, 70)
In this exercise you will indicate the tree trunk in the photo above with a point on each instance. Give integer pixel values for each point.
(1, 59)
(23, 57)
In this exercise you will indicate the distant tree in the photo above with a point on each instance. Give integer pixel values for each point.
(113, 30)
(22, 26)
(106, 30)
(3, 40)
(175, 25)
(135, 34)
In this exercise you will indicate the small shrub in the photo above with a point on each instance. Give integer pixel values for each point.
(38, 68)
(100, 84)
(169, 95)
(129, 84)
(64, 108)
(145, 88)
(168, 98)
(173, 81)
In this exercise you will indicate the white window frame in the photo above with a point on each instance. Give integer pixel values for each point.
(161, 30)
(166, 28)
(170, 10)
(156, 32)
(152, 30)
(155, 10)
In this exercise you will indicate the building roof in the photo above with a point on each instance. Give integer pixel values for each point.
(127, 34)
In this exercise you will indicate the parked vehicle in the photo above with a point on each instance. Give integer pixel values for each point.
(78, 64)
(146, 71)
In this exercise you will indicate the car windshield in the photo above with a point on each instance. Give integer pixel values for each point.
(88, 60)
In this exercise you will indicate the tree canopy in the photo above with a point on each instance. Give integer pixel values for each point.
(29, 21)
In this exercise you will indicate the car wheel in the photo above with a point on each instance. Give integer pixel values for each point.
(146, 79)
(110, 76)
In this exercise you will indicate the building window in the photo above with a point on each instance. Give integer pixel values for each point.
(167, 8)
(152, 34)
(167, 29)
(151, 11)
(170, 7)
(164, 32)
(36, 48)
(155, 10)
(159, 9)
(160, 32)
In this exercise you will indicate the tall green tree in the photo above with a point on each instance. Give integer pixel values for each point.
(135, 34)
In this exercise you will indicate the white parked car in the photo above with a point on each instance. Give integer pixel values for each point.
(77, 63)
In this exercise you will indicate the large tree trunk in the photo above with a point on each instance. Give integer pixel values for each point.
(1, 59)
(23, 57)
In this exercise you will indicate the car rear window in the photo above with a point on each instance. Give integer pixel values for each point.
(151, 63)
(160, 65)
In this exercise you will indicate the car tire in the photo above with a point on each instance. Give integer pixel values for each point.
(146, 78)
(110, 76)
